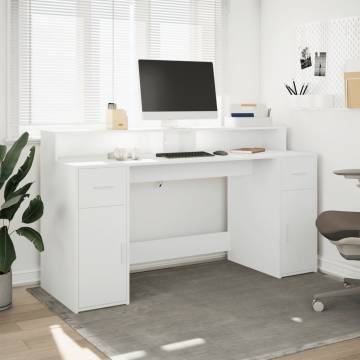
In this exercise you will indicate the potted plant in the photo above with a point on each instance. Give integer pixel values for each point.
(14, 193)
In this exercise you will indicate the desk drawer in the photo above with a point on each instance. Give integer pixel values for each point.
(298, 173)
(102, 187)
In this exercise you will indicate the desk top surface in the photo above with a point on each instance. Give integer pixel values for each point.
(102, 161)
(102, 130)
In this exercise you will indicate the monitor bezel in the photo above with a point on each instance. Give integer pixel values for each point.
(178, 115)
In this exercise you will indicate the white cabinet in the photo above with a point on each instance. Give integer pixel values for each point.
(103, 273)
(86, 264)
(298, 250)
(271, 217)
(298, 247)
(103, 269)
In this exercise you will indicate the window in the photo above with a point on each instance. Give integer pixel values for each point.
(69, 58)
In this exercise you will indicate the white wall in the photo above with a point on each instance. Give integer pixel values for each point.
(333, 134)
(3, 26)
(26, 266)
(243, 50)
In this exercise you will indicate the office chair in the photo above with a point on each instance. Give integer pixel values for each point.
(342, 228)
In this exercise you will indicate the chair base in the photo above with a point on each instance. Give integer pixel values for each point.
(349, 290)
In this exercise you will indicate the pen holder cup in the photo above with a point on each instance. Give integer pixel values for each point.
(300, 102)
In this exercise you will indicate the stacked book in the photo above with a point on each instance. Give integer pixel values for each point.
(249, 115)
(248, 150)
(250, 110)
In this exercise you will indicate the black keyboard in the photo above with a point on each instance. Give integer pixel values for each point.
(188, 154)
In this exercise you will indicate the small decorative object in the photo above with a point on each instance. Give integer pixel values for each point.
(116, 118)
(111, 156)
(320, 64)
(121, 154)
(135, 154)
(305, 58)
(13, 197)
(118, 154)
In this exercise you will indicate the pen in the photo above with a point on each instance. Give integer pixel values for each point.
(290, 90)
(295, 90)
(302, 88)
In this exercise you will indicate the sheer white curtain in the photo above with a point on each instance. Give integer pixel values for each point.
(69, 58)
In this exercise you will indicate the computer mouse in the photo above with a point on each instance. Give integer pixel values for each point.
(220, 152)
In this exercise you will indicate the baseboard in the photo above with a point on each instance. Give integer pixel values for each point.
(31, 277)
(26, 277)
(331, 267)
(338, 268)
(177, 262)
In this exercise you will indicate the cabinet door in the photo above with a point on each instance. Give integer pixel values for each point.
(103, 268)
(299, 235)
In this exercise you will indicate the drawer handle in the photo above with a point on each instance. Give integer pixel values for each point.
(299, 173)
(105, 187)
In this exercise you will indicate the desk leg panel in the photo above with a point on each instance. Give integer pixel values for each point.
(254, 219)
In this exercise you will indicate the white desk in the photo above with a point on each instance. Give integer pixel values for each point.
(271, 210)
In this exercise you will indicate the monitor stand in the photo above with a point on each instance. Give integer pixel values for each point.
(170, 124)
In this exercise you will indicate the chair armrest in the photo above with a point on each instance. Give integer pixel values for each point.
(349, 173)
(346, 172)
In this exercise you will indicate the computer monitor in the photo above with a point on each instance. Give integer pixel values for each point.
(176, 90)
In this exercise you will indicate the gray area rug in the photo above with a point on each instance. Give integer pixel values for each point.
(211, 311)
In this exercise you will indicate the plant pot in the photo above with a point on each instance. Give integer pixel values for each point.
(5, 291)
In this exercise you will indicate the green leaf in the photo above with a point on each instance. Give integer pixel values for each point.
(13, 201)
(2, 152)
(33, 236)
(11, 158)
(10, 212)
(34, 211)
(21, 191)
(7, 251)
(14, 181)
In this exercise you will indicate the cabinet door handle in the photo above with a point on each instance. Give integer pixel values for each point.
(299, 173)
(104, 187)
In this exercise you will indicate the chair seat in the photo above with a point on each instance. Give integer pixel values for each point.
(337, 225)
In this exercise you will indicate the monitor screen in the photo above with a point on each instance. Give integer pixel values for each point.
(183, 86)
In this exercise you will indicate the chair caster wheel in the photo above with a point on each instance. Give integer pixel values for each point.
(318, 306)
